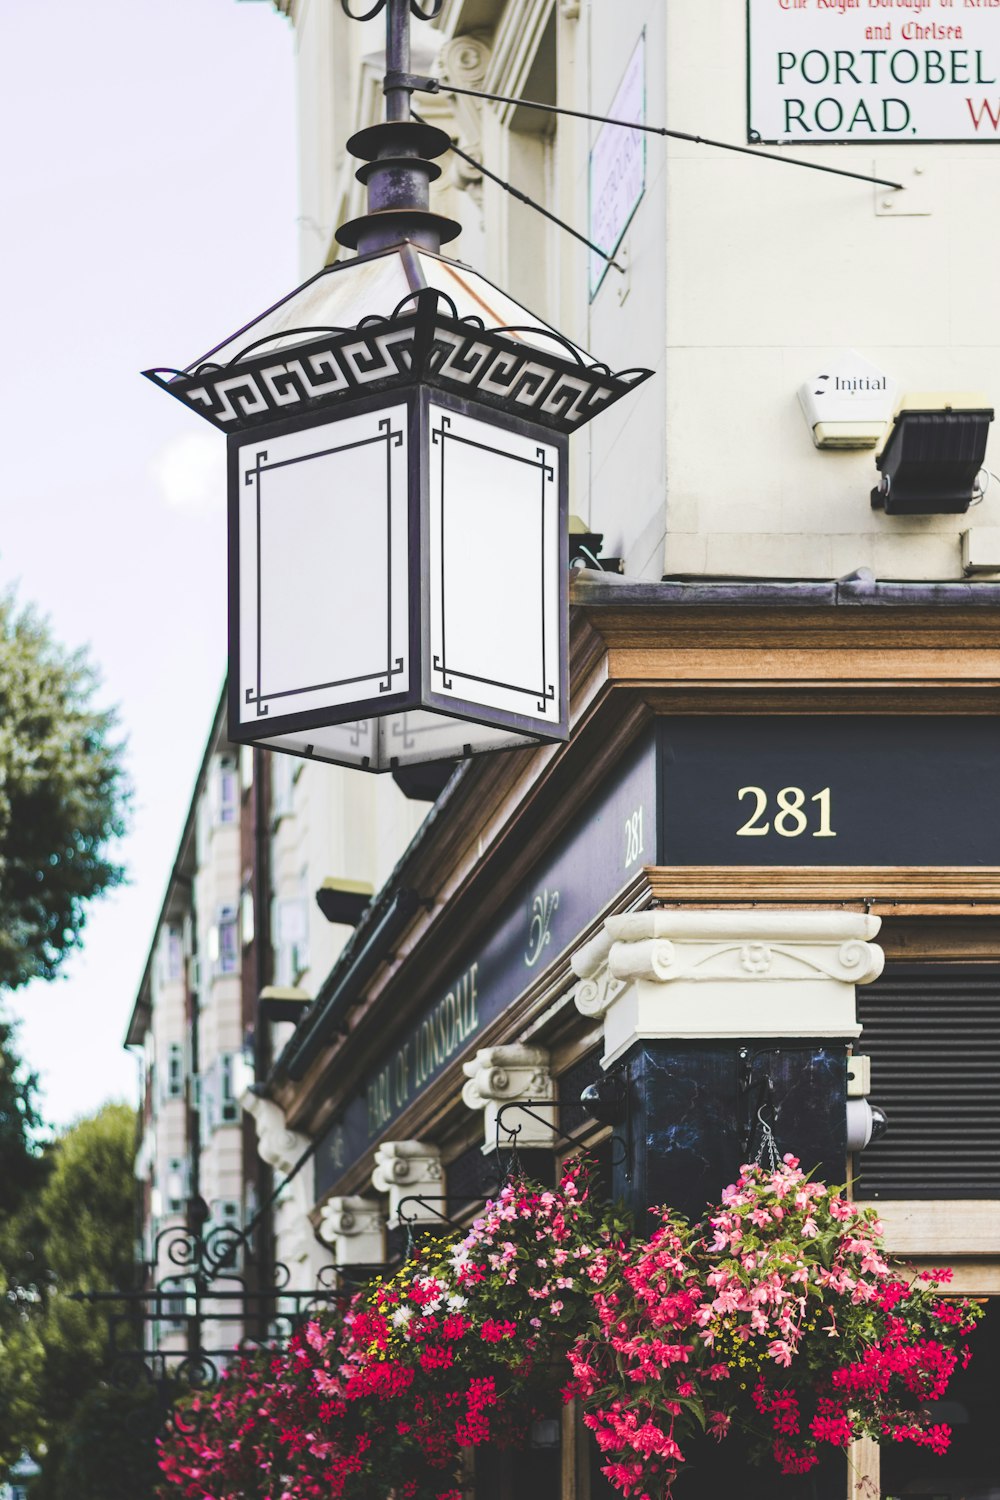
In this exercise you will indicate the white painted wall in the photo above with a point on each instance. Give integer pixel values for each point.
(769, 272)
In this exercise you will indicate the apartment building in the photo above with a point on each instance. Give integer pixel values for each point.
(195, 1168)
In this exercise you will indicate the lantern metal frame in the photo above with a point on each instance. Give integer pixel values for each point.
(418, 695)
(421, 348)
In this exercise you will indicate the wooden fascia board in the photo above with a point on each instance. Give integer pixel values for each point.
(889, 890)
(779, 626)
(657, 648)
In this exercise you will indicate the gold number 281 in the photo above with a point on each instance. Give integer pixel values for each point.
(791, 818)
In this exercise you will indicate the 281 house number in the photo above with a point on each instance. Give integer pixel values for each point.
(790, 816)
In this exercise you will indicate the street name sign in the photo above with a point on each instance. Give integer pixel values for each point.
(873, 70)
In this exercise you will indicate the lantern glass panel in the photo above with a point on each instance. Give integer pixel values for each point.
(494, 628)
(323, 585)
(398, 739)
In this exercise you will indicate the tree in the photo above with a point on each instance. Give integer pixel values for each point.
(21, 1165)
(63, 797)
(73, 1233)
(23, 1169)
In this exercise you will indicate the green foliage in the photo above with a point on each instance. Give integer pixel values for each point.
(106, 1451)
(62, 798)
(73, 1233)
(21, 1166)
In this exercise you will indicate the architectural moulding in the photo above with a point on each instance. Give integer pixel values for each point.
(464, 61)
(499, 1076)
(354, 1228)
(719, 974)
(282, 1149)
(515, 45)
(410, 1169)
(890, 891)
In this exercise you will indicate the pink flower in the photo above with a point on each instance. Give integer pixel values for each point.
(780, 1351)
(718, 1424)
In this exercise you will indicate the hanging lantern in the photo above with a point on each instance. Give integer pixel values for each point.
(397, 434)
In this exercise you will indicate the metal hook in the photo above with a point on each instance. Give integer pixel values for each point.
(528, 1107)
(368, 15)
(427, 1203)
(415, 9)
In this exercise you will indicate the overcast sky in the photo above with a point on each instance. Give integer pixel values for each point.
(148, 209)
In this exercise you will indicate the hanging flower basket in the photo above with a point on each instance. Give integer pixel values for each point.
(778, 1319)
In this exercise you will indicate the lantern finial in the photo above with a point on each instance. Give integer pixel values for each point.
(398, 155)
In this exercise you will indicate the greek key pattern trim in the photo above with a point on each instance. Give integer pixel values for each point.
(496, 367)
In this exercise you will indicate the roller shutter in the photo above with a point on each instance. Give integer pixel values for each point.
(933, 1034)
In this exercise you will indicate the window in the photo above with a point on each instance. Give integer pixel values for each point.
(247, 925)
(175, 953)
(177, 1305)
(175, 1070)
(229, 1112)
(206, 1095)
(223, 942)
(226, 1221)
(178, 1178)
(226, 790)
(291, 935)
(169, 962)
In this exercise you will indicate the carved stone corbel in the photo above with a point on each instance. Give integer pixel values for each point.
(276, 1144)
(354, 1228)
(696, 974)
(464, 61)
(410, 1169)
(499, 1076)
(281, 1149)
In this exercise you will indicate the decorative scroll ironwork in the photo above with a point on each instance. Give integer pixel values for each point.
(428, 343)
(213, 1302)
(424, 12)
(528, 1107)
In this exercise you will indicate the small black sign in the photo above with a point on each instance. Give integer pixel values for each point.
(850, 790)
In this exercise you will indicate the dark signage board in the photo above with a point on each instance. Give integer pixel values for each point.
(712, 790)
(605, 846)
(823, 790)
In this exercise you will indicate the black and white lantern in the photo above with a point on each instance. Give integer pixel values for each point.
(397, 432)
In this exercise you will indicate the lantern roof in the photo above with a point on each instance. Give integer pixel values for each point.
(390, 319)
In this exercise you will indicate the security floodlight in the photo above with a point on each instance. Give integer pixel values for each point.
(932, 454)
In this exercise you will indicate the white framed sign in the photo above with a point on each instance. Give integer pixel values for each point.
(898, 71)
(618, 165)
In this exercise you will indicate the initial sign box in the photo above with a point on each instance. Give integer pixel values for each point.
(873, 70)
(826, 790)
(368, 543)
